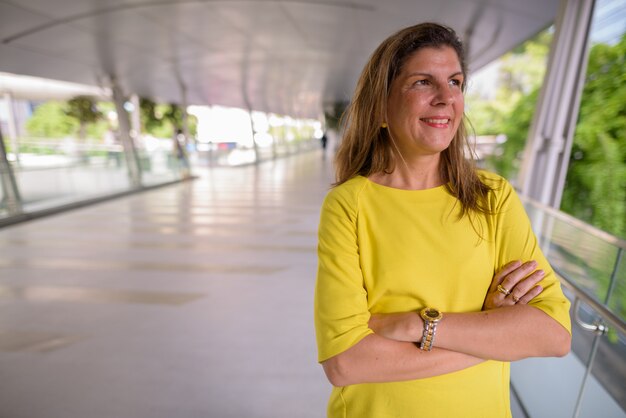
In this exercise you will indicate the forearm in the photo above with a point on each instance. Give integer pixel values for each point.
(504, 334)
(377, 359)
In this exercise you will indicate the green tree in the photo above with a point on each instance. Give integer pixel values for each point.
(162, 120)
(151, 118)
(49, 120)
(85, 111)
(515, 127)
(510, 111)
(595, 189)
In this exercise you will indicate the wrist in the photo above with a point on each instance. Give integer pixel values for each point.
(431, 318)
(418, 328)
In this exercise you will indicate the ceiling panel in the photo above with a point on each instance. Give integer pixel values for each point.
(283, 56)
(14, 19)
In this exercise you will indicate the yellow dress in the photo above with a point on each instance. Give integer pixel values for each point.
(384, 250)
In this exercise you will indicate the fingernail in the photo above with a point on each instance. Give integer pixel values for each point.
(540, 272)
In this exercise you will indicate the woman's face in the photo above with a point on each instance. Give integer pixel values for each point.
(425, 104)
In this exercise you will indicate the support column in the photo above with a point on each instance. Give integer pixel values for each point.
(12, 125)
(10, 192)
(254, 144)
(185, 116)
(547, 152)
(135, 117)
(130, 152)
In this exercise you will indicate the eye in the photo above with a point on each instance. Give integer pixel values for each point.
(422, 82)
(455, 82)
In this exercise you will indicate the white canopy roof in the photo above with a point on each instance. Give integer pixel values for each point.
(282, 56)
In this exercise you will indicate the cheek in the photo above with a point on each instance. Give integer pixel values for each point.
(459, 104)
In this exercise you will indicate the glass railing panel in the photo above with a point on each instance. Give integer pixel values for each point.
(617, 298)
(575, 251)
(4, 210)
(590, 263)
(159, 161)
(547, 387)
(604, 393)
(231, 154)
(52, 172)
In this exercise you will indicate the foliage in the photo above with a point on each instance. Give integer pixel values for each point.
(511, 110)
(515, 127)
(56, 119)
(49, 120)
(595, 190)
(162, 121)
(85, 111)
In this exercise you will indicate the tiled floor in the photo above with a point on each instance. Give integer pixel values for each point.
(193, 300)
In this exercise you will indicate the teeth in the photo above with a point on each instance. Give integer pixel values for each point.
(439, 121)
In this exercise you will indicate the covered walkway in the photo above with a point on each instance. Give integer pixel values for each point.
(191, 300)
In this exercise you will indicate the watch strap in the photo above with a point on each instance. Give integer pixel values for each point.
(431, 318)
(428, 336)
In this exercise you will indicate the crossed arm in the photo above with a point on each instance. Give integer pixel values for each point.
(504, 330)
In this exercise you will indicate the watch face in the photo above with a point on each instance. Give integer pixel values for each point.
(433, 314)
(430, 314)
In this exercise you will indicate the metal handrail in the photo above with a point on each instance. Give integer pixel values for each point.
(605, 314)
(570, 220)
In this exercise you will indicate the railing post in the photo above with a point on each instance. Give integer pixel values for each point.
(583, 384)
(11, 195)
(613, 281)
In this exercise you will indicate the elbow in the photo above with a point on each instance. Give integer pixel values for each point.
(559, 344)
(563, 344)
(336, 371)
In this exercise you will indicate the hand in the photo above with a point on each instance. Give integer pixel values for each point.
(520, 280)
(401, 326)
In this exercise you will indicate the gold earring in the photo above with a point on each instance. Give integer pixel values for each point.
(384, 125)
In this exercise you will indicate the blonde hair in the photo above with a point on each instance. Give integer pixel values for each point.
(367, 149)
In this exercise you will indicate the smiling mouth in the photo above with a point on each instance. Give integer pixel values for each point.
(436, 121)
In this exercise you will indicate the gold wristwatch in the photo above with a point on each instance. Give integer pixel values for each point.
(431, 318)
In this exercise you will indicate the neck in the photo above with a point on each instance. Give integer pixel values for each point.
(418, 174)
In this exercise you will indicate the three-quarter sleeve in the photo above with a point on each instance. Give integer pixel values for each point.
(341, 310)
(517, 241)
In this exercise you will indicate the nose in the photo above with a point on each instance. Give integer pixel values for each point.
(443, 95)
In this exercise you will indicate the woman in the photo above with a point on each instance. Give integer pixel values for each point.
(422, 298)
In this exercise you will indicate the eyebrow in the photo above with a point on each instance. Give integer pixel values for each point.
(430, 75)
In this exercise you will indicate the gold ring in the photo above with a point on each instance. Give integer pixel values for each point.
(503, 290)
(515, 298)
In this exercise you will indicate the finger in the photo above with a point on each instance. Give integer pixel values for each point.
(530, 295)
(508, 268)
(518, 275)
(523, 286)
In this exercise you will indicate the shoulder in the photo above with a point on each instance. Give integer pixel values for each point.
(502, 191)
(496, 182)
(346, 193)
(491, 179)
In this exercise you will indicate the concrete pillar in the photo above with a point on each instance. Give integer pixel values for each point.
(547, 152)
(130, 151)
